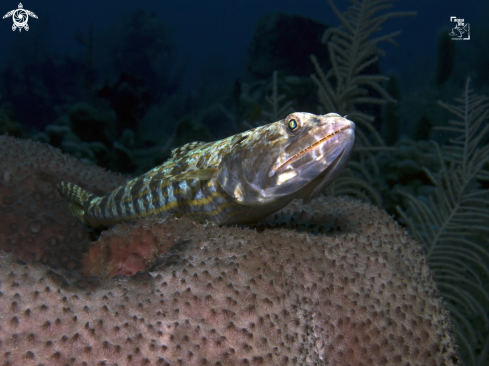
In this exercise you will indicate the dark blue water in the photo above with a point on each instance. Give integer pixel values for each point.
(206, 32)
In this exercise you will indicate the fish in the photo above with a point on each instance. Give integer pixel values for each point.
(237, 180)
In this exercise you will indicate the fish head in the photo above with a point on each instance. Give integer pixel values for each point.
(296, 157)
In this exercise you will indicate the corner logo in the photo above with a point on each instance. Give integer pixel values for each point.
(20, 17)
(459, 30)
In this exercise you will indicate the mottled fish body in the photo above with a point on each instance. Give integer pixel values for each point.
(236, 180)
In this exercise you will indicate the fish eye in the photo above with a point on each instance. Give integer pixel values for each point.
(292, 124)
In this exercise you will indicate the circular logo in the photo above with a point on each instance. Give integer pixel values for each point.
(20, 18)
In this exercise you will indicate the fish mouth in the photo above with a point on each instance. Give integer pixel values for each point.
(314, 145)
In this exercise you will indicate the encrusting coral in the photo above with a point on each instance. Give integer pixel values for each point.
(127, 249)
(360, 293)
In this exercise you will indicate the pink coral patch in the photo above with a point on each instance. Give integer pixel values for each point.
(125, 250)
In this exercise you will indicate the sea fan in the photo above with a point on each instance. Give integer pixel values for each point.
(453, 226)
(344, 88)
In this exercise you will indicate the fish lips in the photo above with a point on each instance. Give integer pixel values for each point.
(243, 176)
(328, 154)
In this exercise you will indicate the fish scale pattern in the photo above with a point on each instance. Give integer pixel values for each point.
(362, 295)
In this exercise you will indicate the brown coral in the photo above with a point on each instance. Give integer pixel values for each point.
(35, 222)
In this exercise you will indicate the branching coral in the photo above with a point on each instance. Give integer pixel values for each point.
(277, 111)
(277, 106)
(345, 87)
(453, 225)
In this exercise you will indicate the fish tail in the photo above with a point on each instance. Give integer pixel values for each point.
(78, 199)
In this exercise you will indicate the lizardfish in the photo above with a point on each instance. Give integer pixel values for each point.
(236, 180)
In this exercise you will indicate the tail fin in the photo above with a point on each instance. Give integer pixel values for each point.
(78, 199)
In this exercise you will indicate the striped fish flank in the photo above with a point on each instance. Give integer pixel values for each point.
(228, 181)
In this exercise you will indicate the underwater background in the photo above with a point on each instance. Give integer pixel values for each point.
(122, 83)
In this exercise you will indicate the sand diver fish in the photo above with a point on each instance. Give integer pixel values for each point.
(237, 180)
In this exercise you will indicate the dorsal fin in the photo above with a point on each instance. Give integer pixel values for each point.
(182, 150)
(200, 174)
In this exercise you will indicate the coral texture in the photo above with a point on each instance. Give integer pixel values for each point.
(356, 291)
(35, 222)
(233, 296)
(125, 249)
